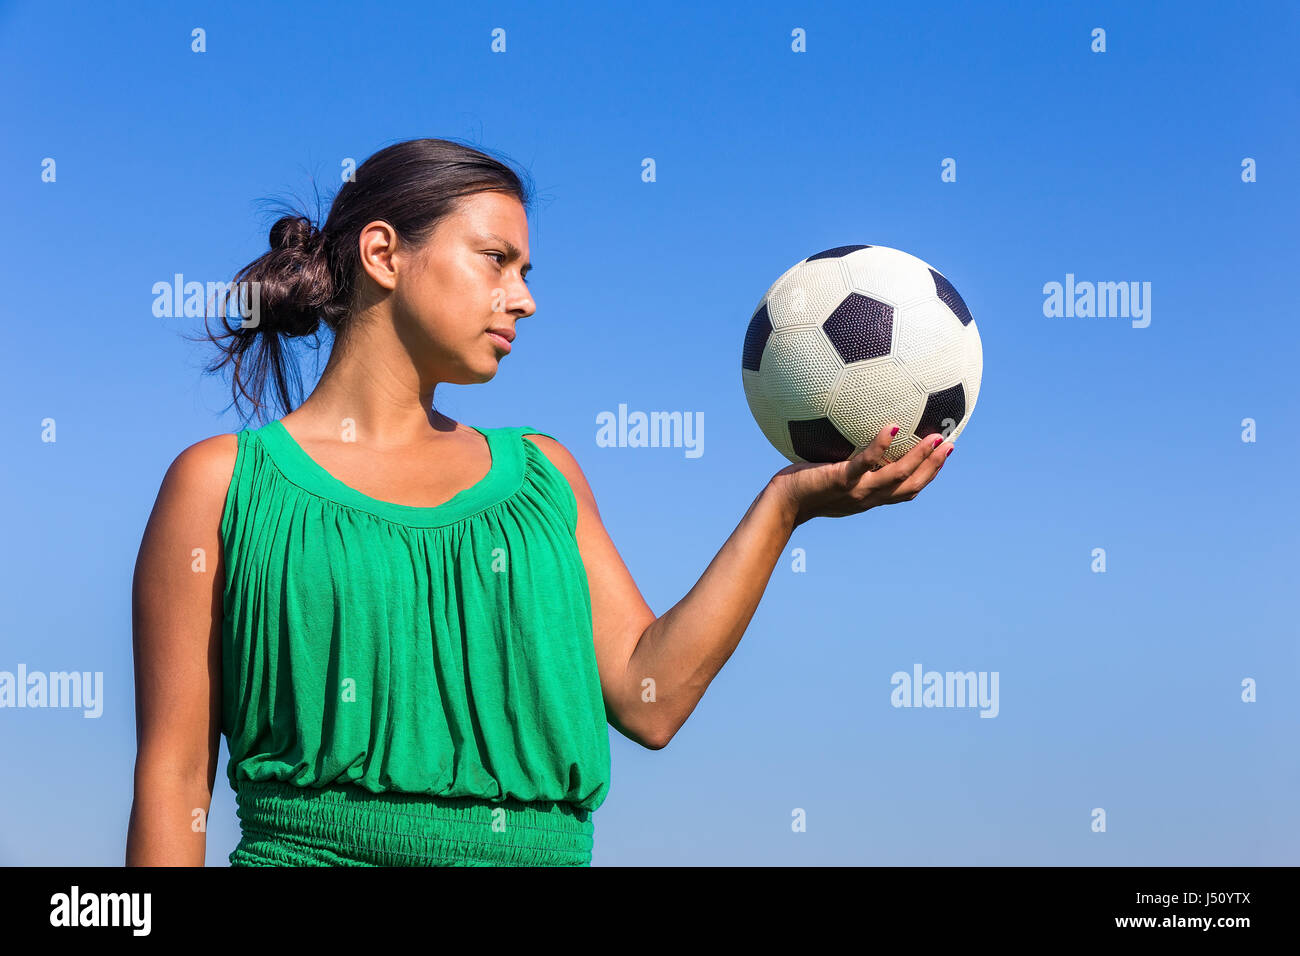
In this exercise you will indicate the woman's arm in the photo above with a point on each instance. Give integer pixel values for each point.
(678, 654)
(176, 610)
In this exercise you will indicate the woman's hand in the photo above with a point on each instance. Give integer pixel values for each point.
(865, 480)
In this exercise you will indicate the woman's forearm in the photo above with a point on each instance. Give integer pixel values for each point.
(679, 654)
(164, 828)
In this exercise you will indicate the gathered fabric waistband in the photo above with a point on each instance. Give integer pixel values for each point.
(346, 825)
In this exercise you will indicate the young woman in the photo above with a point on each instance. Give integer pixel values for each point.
(413, 631)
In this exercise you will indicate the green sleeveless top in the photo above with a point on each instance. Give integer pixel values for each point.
(444, 651)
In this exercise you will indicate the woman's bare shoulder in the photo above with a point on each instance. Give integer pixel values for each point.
(200, 475)
(211, 459)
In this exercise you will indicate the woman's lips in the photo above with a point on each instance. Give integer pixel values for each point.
(500, 340)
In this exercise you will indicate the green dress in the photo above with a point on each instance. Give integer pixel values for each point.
(408, 686)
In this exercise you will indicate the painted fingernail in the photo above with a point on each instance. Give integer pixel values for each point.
(937, 443)
(894, 432)
(950, 451)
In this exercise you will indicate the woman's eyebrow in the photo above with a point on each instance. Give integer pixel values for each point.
(511, 248)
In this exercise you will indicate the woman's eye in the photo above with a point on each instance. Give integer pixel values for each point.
(502, 262)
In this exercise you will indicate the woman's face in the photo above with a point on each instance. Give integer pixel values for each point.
(466, 279)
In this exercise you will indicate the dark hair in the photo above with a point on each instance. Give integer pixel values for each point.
(311, 275)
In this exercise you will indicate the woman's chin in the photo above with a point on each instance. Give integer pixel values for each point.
(472, 372)
(483, 372)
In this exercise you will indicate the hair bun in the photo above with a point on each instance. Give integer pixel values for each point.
(291, 232)
(300, 324)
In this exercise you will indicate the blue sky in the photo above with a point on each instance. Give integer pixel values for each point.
(1119, 690)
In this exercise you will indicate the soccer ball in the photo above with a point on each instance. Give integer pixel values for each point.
(851, 339)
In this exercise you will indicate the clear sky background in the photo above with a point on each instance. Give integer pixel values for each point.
(1121, 690)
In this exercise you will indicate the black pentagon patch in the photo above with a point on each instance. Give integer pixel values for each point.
(836, 252)
(760, 327)
(819, 440)
(860, 328)
(949, 297)
(940, 407)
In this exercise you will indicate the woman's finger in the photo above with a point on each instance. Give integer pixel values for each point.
(872, 457)
(906, 466)
(935, 454)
